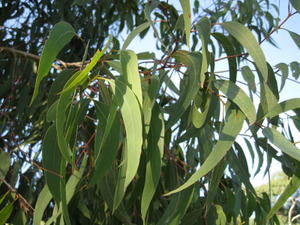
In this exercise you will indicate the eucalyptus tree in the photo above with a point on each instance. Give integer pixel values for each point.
(95, 133)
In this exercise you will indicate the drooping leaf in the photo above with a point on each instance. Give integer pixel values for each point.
(109, 148)
(221, 217)
(59, 36)
(296, 4)
(42, 202)
(134, 33)
(186, 8)
(231, 129)
(281, 142)
(193, 62)
(229, 50)
(83, 75)
(154, 156)
(248, 41)
(284, 106)
(51, 162)
(239, 97)
(249, 77)
(284, 73)
(203, 27)
(125, 98)
(290, 189)
(130, 71)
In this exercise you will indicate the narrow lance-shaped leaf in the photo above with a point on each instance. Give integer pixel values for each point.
(239, 97)
(229, 50)
(284, 73)
(134, 33)
(51, 162)
(284, 106)
(248, 41)
(193, 62)
(83, 75)
(290, 189)
(281, 142)
(59, 36)
(130, 71)
(249, 77)
(131, 114)
(42, 202)
(231, 129)
(186, 8)
(203, 27)
(154, 155)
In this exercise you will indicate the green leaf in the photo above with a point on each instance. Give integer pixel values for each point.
(4, 165)
(41, 204)
(51, 162)
(238, 96)
(134, 33)
(131, 114)
(193, 62)
(296, 4)
(130, 71)
(154, 156)
(221, 217)
(248, 41)
(281, 142)
(284, 106)
(186, 8)
(107, 154)
(177, 207)
(203, 28)
(6, 211)
(83, 75)
(284, 73)
(229, 50)
(290, 189)
(231, 129)
(249, 77)
(296, 38)
(59, 36)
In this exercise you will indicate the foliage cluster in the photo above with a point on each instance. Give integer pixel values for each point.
(94, 133)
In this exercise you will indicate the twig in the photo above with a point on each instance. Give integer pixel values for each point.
(23, 202)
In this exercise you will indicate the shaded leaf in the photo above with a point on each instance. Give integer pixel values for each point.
(51, 162)
(249, 77)
(4, 165)
(203, 27)
(296, 38)
(284, 73)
